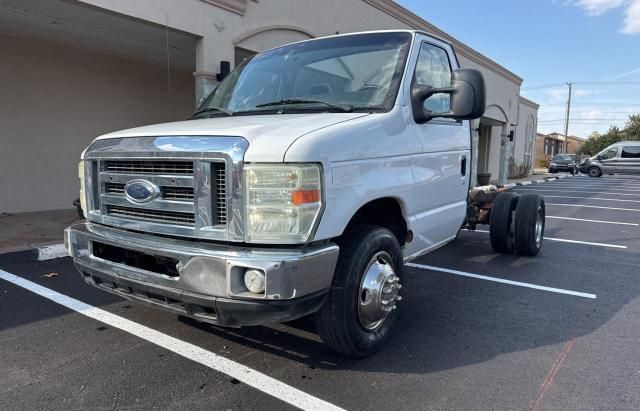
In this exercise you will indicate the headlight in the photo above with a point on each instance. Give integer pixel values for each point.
(83, 198)
(283, 202)
(553, 164)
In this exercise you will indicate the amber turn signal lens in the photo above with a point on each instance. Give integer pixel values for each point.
(305, 196)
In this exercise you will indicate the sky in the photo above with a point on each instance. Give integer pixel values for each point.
(594, 44)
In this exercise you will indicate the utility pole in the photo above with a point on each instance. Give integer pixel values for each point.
(566, 124)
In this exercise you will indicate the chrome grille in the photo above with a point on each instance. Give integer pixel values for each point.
(178, 198)
(190, 186)
(157, 216)
(149, 167)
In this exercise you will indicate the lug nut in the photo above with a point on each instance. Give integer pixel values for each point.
(399, 286)
(399, 298)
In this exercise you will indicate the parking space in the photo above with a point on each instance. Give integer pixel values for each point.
(478, 330)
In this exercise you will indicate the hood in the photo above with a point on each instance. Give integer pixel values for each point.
(269, 136)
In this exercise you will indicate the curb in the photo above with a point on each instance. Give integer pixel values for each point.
(544, 180)
(50, 252)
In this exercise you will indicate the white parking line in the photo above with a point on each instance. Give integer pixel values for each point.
(590, 206)
(503, 281)
(585, 187)
(594, 198)
(612, 186)
(591, 221)
(540, 190)
(251, 377)
(564, 240)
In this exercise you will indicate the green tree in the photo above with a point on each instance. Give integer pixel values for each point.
(632, 128)
(589, 146)
(598, 142)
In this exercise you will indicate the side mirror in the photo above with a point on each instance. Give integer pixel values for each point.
(468, 97)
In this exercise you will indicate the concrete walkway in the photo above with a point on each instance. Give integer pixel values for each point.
(25, 231)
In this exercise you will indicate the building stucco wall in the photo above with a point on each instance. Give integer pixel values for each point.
(71, 79)
(55, 99)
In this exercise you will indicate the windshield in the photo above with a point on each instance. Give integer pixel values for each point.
(563, 157)
(361, 72)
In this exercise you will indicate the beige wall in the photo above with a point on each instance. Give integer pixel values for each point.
(55, 99)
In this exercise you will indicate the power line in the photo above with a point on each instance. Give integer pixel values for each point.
(584, 83)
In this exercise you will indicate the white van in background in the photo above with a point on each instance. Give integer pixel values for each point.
(618, 158)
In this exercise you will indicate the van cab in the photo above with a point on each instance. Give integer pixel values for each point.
(618, 158)
(301, 185)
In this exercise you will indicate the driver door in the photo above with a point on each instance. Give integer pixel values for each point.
(609, 160)
(441, 169)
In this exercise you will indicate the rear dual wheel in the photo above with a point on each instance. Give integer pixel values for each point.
(517, 223)
(529, 225)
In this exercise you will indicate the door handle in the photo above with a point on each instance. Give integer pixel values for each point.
(463, 166)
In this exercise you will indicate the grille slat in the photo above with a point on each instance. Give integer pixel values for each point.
(177, 193)
(149, 167)
(220, 201)
(114, 188)
(156, 216)
(167, 193)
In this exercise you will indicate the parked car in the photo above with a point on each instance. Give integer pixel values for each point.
(564, 162)
(618, 158)
(302, 185)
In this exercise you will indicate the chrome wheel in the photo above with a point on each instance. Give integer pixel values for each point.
(378, 293)
(539, 226)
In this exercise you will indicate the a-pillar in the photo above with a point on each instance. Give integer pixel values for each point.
(475, 146)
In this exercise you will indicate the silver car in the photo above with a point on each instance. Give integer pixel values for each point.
(618, 158)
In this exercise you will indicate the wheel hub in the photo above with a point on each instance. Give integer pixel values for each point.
(539, 225)
(378, 294)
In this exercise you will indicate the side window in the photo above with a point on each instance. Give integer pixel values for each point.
(631, 152)
(609, 154)
(434, 69)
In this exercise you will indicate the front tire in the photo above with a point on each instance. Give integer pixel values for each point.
(594, 172)
(360, 312)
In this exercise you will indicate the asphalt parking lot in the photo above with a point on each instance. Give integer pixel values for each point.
(478, 331)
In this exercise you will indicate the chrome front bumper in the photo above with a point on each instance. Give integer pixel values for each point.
(206, 281)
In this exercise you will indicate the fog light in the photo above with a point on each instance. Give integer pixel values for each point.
(254, 281)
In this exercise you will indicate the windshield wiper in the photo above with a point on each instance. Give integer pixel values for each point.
(210, 109)
(294, 101)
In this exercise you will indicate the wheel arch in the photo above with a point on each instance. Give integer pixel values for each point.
(387, 212)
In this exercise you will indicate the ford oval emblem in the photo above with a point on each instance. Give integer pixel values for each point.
(141, 191)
